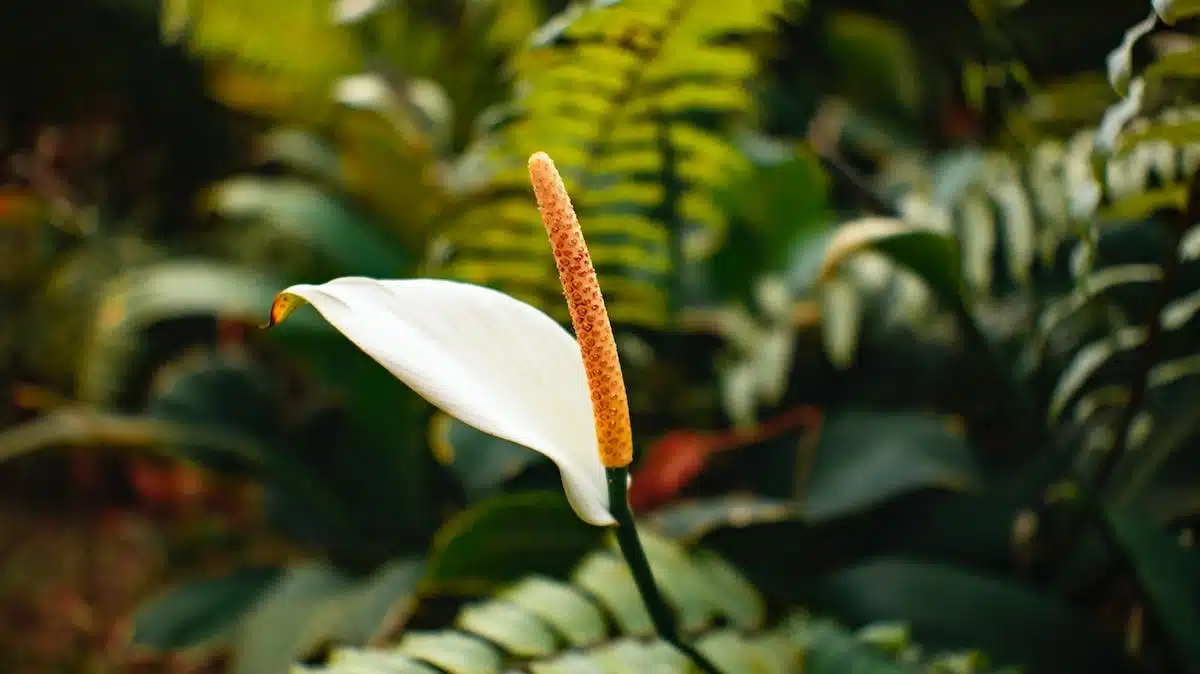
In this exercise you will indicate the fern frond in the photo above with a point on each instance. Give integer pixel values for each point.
(632, 102)
(268, 53)
(546, 626)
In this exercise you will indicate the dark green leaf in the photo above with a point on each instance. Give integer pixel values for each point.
(831, 649)
(84, 427)
(381, 601)
(317, 218)
(933, 257)
(948, 607)
(301, 151)
(692, 520)
(1169, 574)
(866, 457)
(508, 537)
(200, 613)
(305, 608)
(169, 290)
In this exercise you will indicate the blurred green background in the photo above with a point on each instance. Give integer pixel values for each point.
(962, 444)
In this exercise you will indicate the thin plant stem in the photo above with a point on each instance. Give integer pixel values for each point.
(661, 614)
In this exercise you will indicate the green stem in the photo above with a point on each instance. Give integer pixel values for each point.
(635, 556)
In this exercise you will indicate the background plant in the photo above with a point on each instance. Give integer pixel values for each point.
(968, 428)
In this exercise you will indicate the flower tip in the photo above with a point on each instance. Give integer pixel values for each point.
(282, 307)
(540, 159)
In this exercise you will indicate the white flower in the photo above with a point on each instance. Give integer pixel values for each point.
(488, 359)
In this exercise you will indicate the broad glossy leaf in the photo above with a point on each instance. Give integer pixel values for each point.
(1169, 574)
(507, 537)
(303, 609)
(689, 521)
(176, 289)
(932, 256)
(866, 457)
(949, 607)
(302, 151)
(831, 649)
(82, 426)
(309, 214)
(200, 613)
(232, 394)
(381, 601)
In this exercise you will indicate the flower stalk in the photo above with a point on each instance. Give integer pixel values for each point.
(610, 405)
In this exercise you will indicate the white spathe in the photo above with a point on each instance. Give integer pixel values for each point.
(486, 358)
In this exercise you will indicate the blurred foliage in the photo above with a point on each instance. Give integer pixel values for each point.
(906, 297)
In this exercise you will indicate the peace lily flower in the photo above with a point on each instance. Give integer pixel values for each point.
(497, 363)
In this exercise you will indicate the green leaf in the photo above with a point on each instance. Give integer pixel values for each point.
(180, 288)
(303, 609)
(560, 605)
(304, 212)
(303, 151)
(949, 607)
(381, 601)
(482, 463)
(82, 427)
(201, 613)
(220, 392)
(1146, 203)
(689, 521)
(874, 63)
(607, 578)
(363, 661)
(452, 652)
(931, 256)
(507, 537)
(509, 626)
(865, 458)
(831, 649)
(1169, 574)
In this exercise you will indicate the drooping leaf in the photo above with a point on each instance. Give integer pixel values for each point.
(176, 289)
(933, 257)
(85, 427)
(867, 457)
(1169, 574)
(304, 212)
(202, 613)
(379, 602)
(304, 608)
(949, 607)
